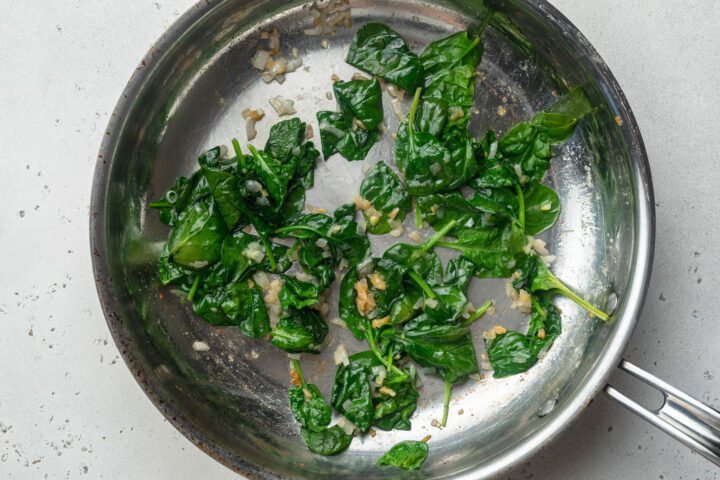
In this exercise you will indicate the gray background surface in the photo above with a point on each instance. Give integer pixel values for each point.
(69, 408)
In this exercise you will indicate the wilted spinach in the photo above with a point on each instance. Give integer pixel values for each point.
(300, 330)
(377, 49)
(354, 130)
(408, 455)
(307, 404)
(382, 188)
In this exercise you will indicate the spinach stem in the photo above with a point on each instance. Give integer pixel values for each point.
(268, 252)
(485, 23)
(521, 207)
(296, 367)
(477, 314)
(542, 311)
(238, 153)
(194, 288)
(373, 346)
(446, 406)
(418, 217)
(411, 120)
(580, 301)
(421, 283)
(430, 242)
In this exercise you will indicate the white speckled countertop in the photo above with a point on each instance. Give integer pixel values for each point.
(69, 408)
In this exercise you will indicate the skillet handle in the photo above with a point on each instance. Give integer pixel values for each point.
(681, 416)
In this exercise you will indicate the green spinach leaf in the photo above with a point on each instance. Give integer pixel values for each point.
(196, 240)
(379, 50)
(330, 441)
(542, 208)
(301, 330)
(386, 193)
(408, 455)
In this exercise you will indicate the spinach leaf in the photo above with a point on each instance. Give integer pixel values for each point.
(461, 145)
(167, 205)
(176, 199)
(431, 116)
(422, 157)
(408, 455)
(386, 193)
(496, 200)
(243, 254)
(245, 306)
(361, 100)
(352, 131)
(274, 175)
(526, 146)
(393, 411)
(330, 441)
(440, 208)
(535, 276)
(336, 136)
(493, 170)
(451, 302)
(285, 136)
(301, 330)
(299, 294)
(458, 272)
(347, 306)
(309, 408)
(542, 208)
(427, 329)
(222, 182)
(341, 233)
(510, 353)
(352, 394)
(196, 240)
(307, 404)
(446, 352)
(495, 250)
(406, 306)
(168, 271)
(449, 65)
(379, 50)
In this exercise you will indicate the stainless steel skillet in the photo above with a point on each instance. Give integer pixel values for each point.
(186, 96)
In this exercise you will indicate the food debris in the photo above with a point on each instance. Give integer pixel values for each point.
(200, 346)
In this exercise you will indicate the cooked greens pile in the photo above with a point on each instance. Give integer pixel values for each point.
(483, 198)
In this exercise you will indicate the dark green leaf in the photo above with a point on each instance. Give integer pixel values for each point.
(458, 272)
(326, 442)
(394, 411)
(379, 50)
(309, 408)
(360, 99)
(440, 208)
(352, 395)
(285, 136)
(408, 455)
(510, 353)
(454, 360)
(301, 330)
(336, 136)
(406, 306)
(542, 208)
(196, 240)
(386, 193)
(245, 306)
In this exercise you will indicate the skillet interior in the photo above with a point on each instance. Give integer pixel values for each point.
(188, 98)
